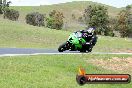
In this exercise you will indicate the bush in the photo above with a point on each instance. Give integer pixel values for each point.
(125, 22)
(55, 20)
(35, 19)
(11, 14)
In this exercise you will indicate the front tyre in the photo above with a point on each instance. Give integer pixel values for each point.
(62, 47)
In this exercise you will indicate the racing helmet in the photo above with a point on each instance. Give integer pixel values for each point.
(90, 31)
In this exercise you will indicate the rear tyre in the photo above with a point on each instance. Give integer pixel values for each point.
(90, 48)
(83, 51)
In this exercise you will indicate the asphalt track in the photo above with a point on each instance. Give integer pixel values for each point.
(34, 51)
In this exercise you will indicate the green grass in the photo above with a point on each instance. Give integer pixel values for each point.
(51, 71)
(111, 44)
(17, 34)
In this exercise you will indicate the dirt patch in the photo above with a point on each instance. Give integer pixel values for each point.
(123, 65)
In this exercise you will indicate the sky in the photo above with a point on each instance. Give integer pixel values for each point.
(115, 3)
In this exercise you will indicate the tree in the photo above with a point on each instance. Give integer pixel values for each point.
(1, 7)
(125, 22)
(122, 24)
(55, 20)
(129, 20)
(112, 23)
(4, 5)
(11, 14)
(97, 16)
(35, 19)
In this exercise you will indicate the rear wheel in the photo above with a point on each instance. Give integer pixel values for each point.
(90, 48)
(82, 50)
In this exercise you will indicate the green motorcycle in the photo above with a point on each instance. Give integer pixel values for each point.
(74, 43)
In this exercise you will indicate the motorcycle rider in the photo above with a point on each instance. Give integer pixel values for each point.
(90, 37)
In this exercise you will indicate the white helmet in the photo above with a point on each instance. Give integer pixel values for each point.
(90, 31)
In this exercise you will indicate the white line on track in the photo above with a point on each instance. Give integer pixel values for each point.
(101, 53)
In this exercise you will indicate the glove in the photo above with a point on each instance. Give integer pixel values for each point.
(84, 35)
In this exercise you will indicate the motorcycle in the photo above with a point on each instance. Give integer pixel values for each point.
(74, 43)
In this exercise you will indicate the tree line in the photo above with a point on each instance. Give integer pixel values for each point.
(97, 16)
(94, 16)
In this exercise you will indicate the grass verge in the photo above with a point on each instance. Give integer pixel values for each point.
(51, 71)
(15, 34)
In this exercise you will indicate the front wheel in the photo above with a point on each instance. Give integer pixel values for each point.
(62, 47)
